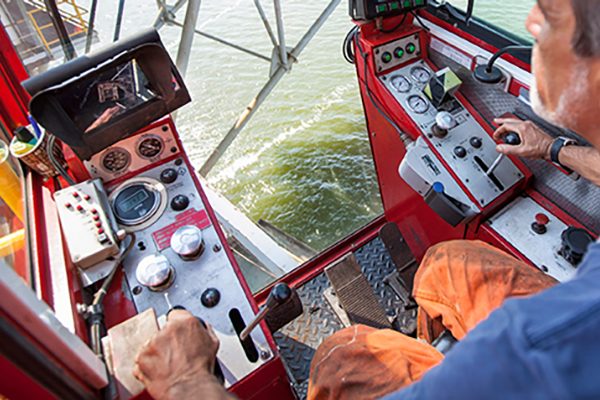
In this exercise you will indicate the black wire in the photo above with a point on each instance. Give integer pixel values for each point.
(56, 164)
(396, 27)
(347, 48)
(420, 22)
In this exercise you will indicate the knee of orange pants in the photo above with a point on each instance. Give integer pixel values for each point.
(361, 362)
(459, 283)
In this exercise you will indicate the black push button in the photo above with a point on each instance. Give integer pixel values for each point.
(475, 142)
(210, 298)
(180, 202)
(460, 152)
(169, 175)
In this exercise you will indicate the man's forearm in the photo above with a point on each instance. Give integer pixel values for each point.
(583, 160)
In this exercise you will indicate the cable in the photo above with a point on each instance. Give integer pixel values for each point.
(396, 27)
(99, 295)
(347, 48)
(406, 140)
(420, 22)
(56, 164)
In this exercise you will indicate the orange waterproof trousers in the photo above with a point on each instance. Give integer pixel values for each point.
(458, 284)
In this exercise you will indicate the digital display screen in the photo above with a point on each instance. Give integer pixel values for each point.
(133, 200)
(103, 97)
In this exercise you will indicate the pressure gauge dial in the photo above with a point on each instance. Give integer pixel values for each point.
(420, 74)
(418, 104)
(149, 147)
(115, 160)
(400, 83)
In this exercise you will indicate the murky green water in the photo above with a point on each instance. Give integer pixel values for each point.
(303, 163)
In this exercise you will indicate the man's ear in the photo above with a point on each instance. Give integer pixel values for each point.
(594, 82)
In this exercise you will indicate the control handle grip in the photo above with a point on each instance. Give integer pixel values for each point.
(512, 139)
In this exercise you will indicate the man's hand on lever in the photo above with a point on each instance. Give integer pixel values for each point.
(536, 144)
(178, 362)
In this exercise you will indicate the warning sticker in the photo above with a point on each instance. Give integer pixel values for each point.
(451, 53)
(199, 219)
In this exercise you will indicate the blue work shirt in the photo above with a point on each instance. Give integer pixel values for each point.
(543, 347)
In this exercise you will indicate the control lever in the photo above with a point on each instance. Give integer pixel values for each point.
(280, 294)
(512, 139)
(218, 373)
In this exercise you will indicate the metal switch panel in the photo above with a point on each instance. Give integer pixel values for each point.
(87, 227)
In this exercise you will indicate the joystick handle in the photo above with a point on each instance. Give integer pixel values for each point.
(279, 295)
(512, 139)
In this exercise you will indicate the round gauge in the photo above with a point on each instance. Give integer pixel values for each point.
(420, 74)
(135, 202)
(115, 160)
(150, 147)
(400, 83)
(418, 104)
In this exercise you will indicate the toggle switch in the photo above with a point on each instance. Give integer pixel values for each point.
(279, 295)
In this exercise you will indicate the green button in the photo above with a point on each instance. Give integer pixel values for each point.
(394, 6)
(418, 3)
(386, 57)
(399, 52)
(410, 48)
(406, 4)
(381, 8)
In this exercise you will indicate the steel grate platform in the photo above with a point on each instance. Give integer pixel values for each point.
(299, 339)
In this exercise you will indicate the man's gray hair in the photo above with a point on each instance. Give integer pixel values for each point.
(586, 40)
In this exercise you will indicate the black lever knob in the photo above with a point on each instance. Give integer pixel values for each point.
(512, 138)
(279, 295)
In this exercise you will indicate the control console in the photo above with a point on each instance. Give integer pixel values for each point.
(178, 258)
(452, 139)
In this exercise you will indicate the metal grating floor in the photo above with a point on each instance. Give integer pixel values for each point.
(299, 339)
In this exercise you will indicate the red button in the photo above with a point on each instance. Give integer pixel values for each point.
(94, 211)
(68, 205)
(96, 217)
(100, 231)
(75, 194)
(542, 219)
(86, 197)
(98, 224)
(79, 208)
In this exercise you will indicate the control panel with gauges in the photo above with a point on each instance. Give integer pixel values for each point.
(137, 204)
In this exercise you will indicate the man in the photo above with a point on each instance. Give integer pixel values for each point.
(531, 346)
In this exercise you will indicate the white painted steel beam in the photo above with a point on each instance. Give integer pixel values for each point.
(275, 258)
(265, 91)
(187, 36)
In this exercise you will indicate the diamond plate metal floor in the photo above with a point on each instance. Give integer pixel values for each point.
(299, 339)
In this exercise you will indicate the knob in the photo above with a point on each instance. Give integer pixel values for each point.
(210, 298)
(476, 142)
(460, 151)
(386, 57)
(155, 272)
(169, 175)
(279, 295)
(444, 121)
(180, 202)
(575, 242)
(398, 52)
(512, 138)
(187, 242)
(539, 226)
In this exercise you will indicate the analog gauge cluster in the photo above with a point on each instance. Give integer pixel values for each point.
(133, 154)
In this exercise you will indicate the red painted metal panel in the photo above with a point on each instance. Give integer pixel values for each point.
(14, 99)
(268, 382)
(16, 385)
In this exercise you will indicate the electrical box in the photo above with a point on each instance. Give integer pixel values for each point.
(87, 223)
(370, 9)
